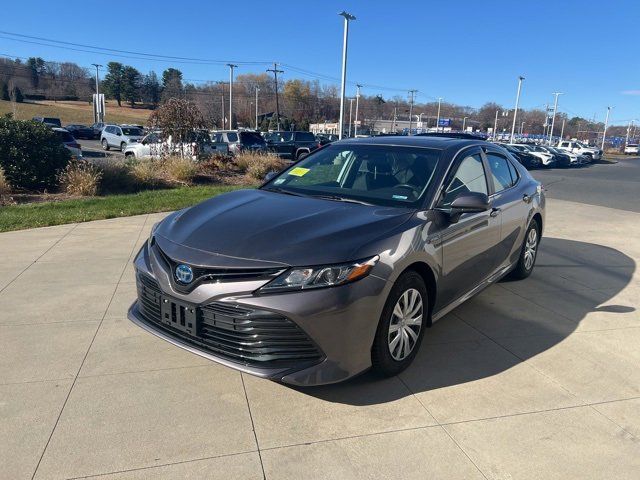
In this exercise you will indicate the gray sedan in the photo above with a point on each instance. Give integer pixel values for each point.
(341, 262)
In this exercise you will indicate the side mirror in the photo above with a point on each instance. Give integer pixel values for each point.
(472, 202)
(270, 175)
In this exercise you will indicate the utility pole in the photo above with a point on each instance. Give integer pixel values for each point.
(626, 142)
(495, 126)
(464, 123)
(562, 130)
(412, 93)
(553, 119)
(257, 90)
(438, 120)
(224, 119)
(350, 109)
(515, 111)
(355, 125)
(521, 128)
(347, 18)
(606, 122)
(99, 117)
(395, 116)
(231, 67)
(275, 72)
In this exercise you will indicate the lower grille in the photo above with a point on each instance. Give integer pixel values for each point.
(256, 338)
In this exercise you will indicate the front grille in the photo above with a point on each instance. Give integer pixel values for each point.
(252, 337)
(211, 275)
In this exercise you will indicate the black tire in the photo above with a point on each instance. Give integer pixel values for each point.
(382, 360)
(123, 146)
(522, 269)
(301, 155)
(105, 144)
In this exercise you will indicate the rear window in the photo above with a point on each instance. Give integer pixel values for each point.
(305, 137)
(52, 121)
(64, 137)
(232, 136)
(251, 138)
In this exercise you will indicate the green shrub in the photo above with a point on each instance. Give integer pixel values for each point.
(31, 154)
(81, 178)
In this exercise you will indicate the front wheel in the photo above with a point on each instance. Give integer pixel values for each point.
(123, 146)
(528, 253)
(105, 144)
(401, 325)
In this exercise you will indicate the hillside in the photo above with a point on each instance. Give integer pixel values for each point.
(74, 112)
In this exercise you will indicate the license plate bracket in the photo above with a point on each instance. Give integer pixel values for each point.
(179, 315)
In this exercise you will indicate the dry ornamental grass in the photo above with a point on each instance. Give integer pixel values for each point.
(80, 178)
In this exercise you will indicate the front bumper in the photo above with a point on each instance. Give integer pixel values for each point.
(340, 322)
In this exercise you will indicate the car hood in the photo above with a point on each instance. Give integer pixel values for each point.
(246, 228)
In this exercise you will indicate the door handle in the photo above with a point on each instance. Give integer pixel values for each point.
(495, 212)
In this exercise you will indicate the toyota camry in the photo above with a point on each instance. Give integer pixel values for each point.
(341, 262)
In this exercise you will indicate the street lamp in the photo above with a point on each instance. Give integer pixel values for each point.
(257, 90)
(515, 111)
(355, 123)
(553, 119)
(231, 67)
(412, 93)
(606, 122)
(347, 18)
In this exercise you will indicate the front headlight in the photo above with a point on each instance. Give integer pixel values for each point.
(320, 276)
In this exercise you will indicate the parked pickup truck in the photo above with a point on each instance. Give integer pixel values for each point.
(198, 147)
(291, 145)
(574, 146)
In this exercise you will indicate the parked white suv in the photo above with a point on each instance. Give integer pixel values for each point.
(632, 149)
(119, 136)
(197, 147)
(580, 148)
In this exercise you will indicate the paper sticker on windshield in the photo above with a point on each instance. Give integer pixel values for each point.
(400, 197)
(299, 172)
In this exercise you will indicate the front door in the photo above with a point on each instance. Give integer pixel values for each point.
(469, 246)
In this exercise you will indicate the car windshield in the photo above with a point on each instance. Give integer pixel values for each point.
(64, 137)
(379, 175)
(251, 138)
(133, 131)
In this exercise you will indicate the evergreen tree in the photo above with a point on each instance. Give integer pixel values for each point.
(112, 83)
(131, 80)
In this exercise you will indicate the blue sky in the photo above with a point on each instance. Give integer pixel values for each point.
(467, 52)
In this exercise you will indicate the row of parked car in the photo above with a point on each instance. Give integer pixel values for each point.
(564, 154)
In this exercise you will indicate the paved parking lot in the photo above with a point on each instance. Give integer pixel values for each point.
(533, 379)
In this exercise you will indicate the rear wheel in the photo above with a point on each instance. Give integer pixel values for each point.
(528, 253)
(105, 144)
(401, 325)
(123, 146)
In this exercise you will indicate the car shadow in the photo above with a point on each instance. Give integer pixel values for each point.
(578, 278)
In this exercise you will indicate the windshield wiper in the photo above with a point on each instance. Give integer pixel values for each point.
(282, 190)
(342, 199)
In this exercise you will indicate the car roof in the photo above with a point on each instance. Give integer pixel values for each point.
(439, 142)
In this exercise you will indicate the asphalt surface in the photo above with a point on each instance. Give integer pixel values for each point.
(93, 149)
(604, 184)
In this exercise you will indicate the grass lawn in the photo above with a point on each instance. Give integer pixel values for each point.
(74, 112)
(18, 217)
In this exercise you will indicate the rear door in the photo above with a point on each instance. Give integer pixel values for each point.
(469, 246)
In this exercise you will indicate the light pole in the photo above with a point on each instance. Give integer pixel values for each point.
(521, 128)
(464, 123)
(257, 90)
(438, 120)
(628, 131)
(99, 114)
(515, 111)
(275, 72)
(350, 109)
(347, 18)
(553, 119)
(606, 122)
(412, 93)
(355, 123)
(562, 130)
(495, 126)
(231, 67)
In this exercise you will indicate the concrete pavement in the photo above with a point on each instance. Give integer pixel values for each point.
(532, 379)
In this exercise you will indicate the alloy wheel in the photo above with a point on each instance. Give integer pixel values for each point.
(530, 249)
(405, 324)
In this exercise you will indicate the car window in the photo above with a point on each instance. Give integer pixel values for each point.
(151, 138)
(64, 137)
(132, 131)
(381, 175)
(232, 137)
(305, 137)
(251, 138)
(469, 177)
(499, 167)
(285, 136)
(565, 144)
